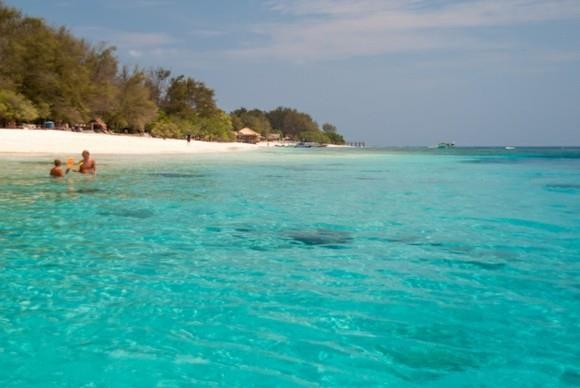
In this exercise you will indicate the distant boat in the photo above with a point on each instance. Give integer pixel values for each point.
(510, 148)
(309, 144)
(444, 145)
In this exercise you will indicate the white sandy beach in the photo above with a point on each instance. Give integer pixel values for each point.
(56, 142)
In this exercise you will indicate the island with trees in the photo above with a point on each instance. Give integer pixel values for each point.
(49, 75)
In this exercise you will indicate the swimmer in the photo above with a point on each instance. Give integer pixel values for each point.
(56, 171)
(88, 165)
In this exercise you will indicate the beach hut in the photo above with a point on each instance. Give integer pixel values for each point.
(246, 135)
(274, 137)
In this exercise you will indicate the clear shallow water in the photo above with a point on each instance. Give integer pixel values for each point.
(315, 267)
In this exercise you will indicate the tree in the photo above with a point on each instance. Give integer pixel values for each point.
(165, 126)
(237, 122)
(215, 128)
(187, 98)
(335, 138)
(134, 108)
(329, 128)
(291, 122)
(314, 136)
(158, 82)
(254, 119)
(47, 73)
(104, 90)
(16, 107)
(296, 122)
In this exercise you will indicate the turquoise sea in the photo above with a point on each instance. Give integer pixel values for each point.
(375, 267)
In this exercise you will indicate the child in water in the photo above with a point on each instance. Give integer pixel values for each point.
(57, 171)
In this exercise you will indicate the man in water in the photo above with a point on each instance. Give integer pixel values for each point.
(56, 171)
(88, 165)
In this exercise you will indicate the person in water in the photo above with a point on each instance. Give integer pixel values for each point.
(88, 165)
(57, 171)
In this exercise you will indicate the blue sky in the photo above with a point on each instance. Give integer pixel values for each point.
(391, 72)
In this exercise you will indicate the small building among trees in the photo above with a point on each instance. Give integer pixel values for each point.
(247, 135)
(274, 137)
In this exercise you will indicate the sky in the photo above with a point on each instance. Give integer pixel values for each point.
(388, 72)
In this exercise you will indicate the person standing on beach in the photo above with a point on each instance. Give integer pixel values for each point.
(189, 138)
(88, 165)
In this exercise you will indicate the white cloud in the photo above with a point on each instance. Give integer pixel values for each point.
(329, 29)
(207, 33)
(135, 53)
(142, 39)
(126, 39)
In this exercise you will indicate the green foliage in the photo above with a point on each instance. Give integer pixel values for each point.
(48, 66)
(321, 137)
(16, 107)
(103, 91)
(291, 122)
(335, 138)
(255, 119)
(314, 136)
(332, 133)
(157, 81)
(47, 73)
(329, 128)
(134, 108)
(167, 127)
(215, 128)
(187, 98)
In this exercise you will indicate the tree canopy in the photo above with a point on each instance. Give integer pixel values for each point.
(46, 73)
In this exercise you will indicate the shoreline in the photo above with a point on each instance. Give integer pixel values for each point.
(51, 142)
(46, 141)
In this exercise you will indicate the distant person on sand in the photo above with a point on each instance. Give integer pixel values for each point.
(189, 138)
(56, 171)
(88, 165)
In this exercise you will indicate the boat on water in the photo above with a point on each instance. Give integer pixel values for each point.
(445, 145)
(310, 144)
(509, 148)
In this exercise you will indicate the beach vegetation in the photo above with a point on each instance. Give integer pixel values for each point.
(170, 127)
(255, 119)
(15, 107)
(48, 74)
(135, 107)
(329, 128)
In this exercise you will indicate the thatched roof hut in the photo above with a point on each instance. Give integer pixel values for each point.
(274, 137)
(247, 135)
